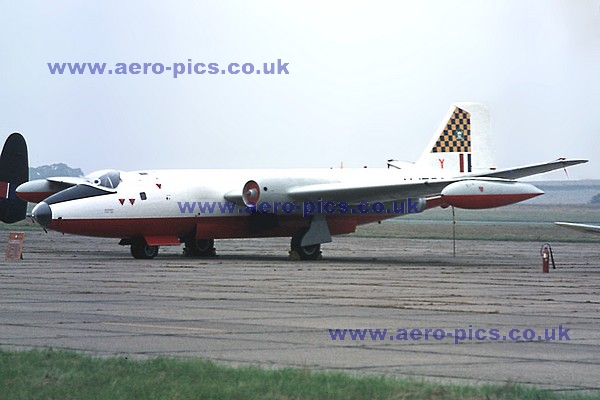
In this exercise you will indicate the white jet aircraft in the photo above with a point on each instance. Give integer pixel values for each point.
(151, 208)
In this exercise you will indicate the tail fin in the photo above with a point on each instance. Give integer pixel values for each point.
(462, 142)
(14, 170)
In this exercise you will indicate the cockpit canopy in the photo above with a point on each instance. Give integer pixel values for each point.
(108, 178)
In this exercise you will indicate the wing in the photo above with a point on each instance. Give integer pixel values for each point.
(403, 188)
(349, 192)
(353, 193)
(580, 227)
(521, 172)
(418, 188)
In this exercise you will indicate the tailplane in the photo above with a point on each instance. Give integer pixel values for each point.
(14, 170)
(461, 145)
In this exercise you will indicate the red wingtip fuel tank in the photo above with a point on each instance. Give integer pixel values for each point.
(479, 194)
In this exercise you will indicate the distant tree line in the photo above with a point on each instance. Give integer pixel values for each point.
(47, 171)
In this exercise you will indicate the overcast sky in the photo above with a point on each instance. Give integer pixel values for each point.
(367, 81)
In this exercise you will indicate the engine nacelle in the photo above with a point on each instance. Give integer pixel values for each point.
(478, 194)
(266, 191)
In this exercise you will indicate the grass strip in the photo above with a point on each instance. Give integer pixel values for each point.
(58, 374)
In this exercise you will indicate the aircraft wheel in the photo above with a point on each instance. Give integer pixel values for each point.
(200, 247)
(143, 251)
(312, 252)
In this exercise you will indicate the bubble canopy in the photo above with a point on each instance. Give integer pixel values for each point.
(108, 178)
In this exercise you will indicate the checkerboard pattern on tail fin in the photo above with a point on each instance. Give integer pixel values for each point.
(460, 145)
(456, 136)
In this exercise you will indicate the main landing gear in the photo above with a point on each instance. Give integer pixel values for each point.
(298, 252)
(206, 248)
(199, 248)
(141, 250)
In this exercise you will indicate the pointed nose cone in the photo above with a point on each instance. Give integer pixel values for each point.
(42, 214)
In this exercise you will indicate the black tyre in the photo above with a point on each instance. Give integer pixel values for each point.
(200, 248)
(143, 252)
(312, 252)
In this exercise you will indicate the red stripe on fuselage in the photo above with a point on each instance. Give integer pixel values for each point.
(208, 227)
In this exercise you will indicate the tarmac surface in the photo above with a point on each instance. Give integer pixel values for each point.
(250, 305)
